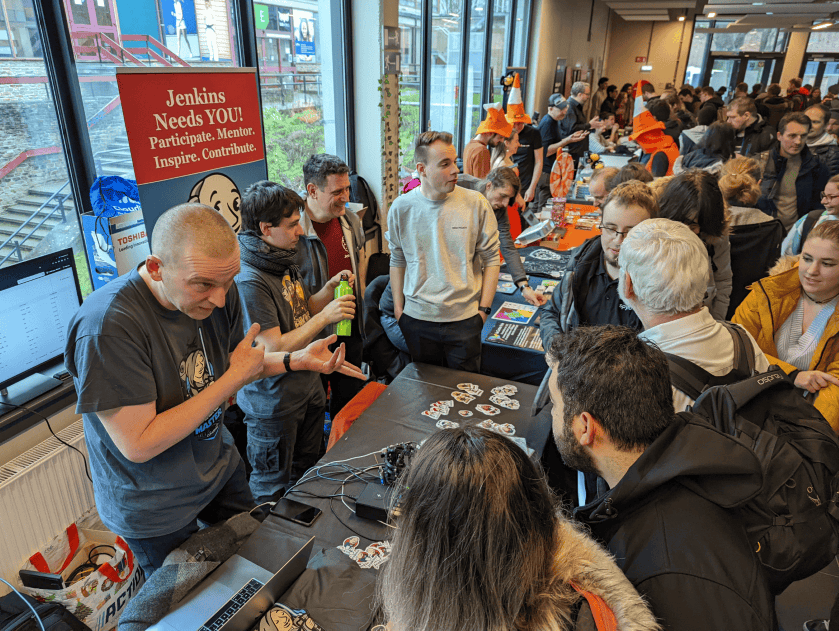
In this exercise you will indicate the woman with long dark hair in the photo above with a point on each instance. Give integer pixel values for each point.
(481, 546)
(714, 149)
(695, 199)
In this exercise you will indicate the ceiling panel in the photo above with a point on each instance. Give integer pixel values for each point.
(638, 18)
(733, 29)
(756, 7)
(670, 4)
(774, 8)
(784, 19)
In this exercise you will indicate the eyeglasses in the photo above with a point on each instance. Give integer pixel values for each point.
(829, 198)
(612, 232)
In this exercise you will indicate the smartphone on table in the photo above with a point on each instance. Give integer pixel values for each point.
(298, 512)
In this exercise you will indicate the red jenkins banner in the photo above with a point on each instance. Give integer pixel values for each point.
(181, 122)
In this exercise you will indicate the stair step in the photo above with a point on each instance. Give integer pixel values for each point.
(7, 230)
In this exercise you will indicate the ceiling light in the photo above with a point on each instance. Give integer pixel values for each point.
(712, 15)
(822, 25)
(681, 18)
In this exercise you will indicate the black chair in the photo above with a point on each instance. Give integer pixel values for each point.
(754, 249)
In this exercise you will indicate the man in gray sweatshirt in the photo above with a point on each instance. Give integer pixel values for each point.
(444, 261)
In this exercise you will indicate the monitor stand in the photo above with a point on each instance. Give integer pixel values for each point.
(24, 391)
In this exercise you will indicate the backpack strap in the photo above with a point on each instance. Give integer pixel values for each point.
(809, 222)
(691, 379)
(686, 376)
(744, 350)
(604, 617)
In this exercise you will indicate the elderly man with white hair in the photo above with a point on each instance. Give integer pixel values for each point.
(663, 277)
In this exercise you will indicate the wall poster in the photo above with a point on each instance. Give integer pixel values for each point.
(195, 135)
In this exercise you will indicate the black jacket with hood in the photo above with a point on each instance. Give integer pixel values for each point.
(669, 524)
(757, 138)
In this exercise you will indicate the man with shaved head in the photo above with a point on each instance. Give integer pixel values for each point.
(155, 355)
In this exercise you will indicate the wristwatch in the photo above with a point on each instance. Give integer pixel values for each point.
(287, 362)
(486, 310)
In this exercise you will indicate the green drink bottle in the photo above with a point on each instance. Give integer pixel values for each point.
(344, 327)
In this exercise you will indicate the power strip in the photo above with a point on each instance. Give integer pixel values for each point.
(372, 502)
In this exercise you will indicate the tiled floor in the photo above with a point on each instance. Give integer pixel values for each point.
(808, 599)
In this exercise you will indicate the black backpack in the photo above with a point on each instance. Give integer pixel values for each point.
(361, 193)
(794, 521)
(16, 616)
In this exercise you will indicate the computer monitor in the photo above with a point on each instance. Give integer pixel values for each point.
(37, 299)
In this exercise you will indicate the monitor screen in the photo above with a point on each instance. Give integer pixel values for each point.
(37, 299)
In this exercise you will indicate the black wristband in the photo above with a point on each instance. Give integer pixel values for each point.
(287, 362)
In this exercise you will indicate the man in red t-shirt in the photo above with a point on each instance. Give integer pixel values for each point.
(332, 243)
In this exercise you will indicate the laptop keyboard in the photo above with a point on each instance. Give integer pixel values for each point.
(228, 609)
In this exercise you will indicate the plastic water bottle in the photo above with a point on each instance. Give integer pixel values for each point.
(344, 327)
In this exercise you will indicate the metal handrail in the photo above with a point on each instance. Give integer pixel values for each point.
(59, 206)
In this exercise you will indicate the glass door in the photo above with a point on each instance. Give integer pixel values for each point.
(92, 16)
(758, 71)
(821, 71)
(723, 72)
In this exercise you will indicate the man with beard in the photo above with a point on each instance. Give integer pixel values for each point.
(284, 414)
(588, 293)
(667, 483)
(332, 241)
(663, 277)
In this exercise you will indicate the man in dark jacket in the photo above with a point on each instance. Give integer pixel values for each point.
(774, 106)
(710, 100)
(668, 483)
(588, 293)
(332, 240)
(819, 141)
(576, 120)
(793, 177)
(753, 134)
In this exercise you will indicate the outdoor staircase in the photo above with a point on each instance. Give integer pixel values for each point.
(116, 159)
(12, 217)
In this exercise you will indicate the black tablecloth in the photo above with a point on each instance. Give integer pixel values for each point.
(335, 590)
(510, 362)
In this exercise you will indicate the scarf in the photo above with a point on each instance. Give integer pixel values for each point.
(265, 257)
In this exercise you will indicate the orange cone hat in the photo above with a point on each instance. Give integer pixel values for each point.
(515, 106)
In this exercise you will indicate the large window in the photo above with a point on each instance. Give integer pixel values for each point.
(698, 54)
(501, 25)
(445, 65)
(410, 23)
(37, 212)
(302, 103)
(725, 59)
(821, 63)
(444, 88)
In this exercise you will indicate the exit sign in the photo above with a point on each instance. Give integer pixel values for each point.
(640, 60)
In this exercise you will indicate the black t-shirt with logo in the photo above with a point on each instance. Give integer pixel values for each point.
(530, 140)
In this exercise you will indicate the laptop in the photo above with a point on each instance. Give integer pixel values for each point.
(239, 592)
(611, 160)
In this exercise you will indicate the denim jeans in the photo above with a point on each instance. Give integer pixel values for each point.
(281, 448)
(234, 497)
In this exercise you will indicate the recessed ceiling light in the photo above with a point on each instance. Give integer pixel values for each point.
(681, 18)
(712, 15)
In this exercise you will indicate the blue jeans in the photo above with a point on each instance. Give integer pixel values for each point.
(282, 447)
(234, 497)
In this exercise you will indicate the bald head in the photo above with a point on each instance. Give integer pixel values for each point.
(598, 185)
(192, 226)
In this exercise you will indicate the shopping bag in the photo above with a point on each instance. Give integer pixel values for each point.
(100, 594)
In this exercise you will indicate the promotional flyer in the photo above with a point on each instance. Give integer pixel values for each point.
(195, 136)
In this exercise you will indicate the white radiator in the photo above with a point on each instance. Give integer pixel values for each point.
(42, 491)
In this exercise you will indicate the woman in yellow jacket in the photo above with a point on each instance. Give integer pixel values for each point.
(793, 316)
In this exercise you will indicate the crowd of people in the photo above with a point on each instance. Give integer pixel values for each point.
(481, 543)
